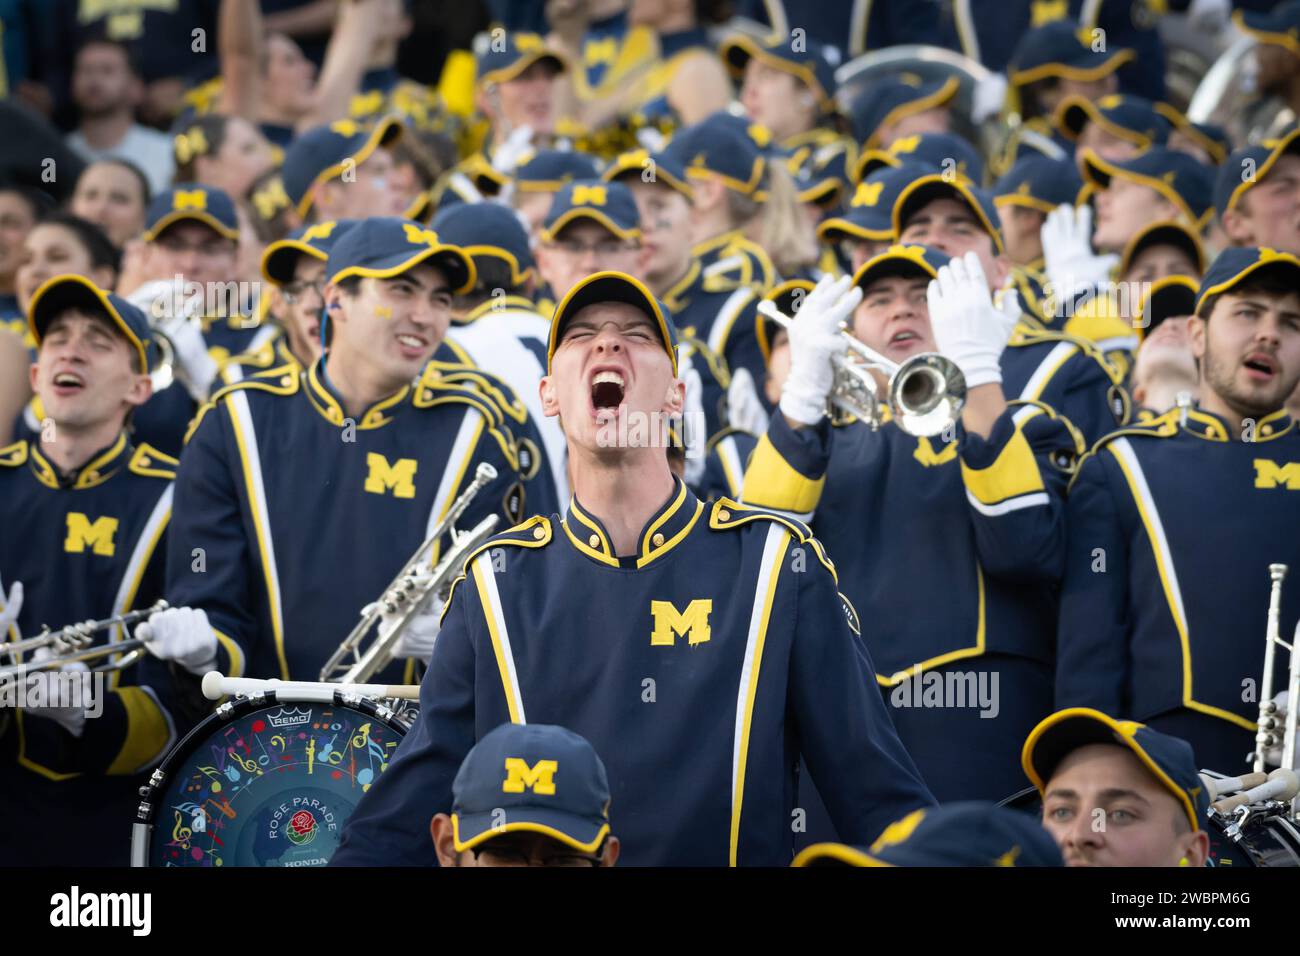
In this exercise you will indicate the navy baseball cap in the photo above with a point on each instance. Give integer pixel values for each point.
(508, 54)
(1163, 234)
(609, 204)
(1234, 265)
(547, 170)
(1248, 166)
(612, 286)
(280, 257)
(195, 203)
(1213, 139)
(1169, 759)
(870, 214)
(908, 261)
(381, 247)
(1038, 182)
(894, 99)
(663, 166)
(1168, 297)
(814, 64)
(939, 151)
(488, 230)
(715, 146)
(535, 778)
(1061, 49)
(955, 834)
(1130, 118)
(325, 151)
(1186, 183)
(1279, 26)
(925, 189)
(60, 293)
(824, 176)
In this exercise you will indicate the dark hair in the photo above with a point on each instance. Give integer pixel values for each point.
(146, 193)
(93, 239)
(213, 127)
(39, 203)
(493, 273)
(1032, 94)
(100, 39)
(1255, 285)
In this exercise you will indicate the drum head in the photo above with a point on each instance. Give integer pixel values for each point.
(264, 782)
(1267, 841)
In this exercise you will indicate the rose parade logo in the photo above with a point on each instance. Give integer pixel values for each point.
(302, 828)
(300, 821)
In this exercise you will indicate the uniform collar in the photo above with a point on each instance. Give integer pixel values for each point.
(665, 529)
(496, 303)
(326, 401)
(100, 467)
(716, 244)
(675, 297)
(1211, 427)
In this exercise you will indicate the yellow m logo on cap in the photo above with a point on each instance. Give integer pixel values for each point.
(528, 41)
(539, 778)
(321, 230)
(693, 624)
(82, 532)
(419, 237)
(589, 195)
(190, 199)
(868, 194)
(345, 127)
(1269, 474)
(907, 144)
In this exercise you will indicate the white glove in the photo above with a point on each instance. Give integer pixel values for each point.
(64, 702)
(179, 322)
(506, 156)
(692, 413)
(1071, 264)
(968, 328)
(989, 97)
(419, 634)
(815, 337)
(183, 635)
(13, 604)
(1209, 16)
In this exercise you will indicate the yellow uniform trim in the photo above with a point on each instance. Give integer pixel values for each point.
(147, 732)
(771, 482)
(497, 650)
(893, 680)
(1013, 473)
(835, 851)
(653, 553)
(28, 762)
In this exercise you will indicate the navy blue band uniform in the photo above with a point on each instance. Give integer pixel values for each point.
(907, 519)
(85, 545)
(566, 632)
(1186, 517)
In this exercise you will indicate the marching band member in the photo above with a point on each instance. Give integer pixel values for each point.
(85, 511)
(866, 228)
(539, 176)
(1158, 588)
(592, 226)
(1158, 185)
(1115, 128)
(1164, 368)
(1059, 369)
(498, 819)
(1024, 196)
(1117, 792)
(582, 624)
(300, 492)
(1262, 208)
(892, 109)
(976, 515)
(343, 171)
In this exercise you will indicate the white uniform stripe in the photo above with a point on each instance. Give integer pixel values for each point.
(460, 449)
(140, 556)
(726, 317)
(1046, 369)
(242, 418)
(732, 464)
(483, 565)
(1122, 450)
(1011, 504)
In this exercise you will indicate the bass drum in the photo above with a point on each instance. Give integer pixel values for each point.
(1267, 841)
(267, 780)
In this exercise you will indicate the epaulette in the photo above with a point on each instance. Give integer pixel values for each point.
(1025, 335)
(1066, 459)
(433, 392)
(11, 456)
(742, 262)
(1161, 426)
(283, 380)
(150, 462)
(501, 394)
(727, 513)
(536, 532)
(727, 432)
(262, 357)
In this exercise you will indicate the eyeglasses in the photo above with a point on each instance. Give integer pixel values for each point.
(605, 247)
(506, 855)
(295, 292)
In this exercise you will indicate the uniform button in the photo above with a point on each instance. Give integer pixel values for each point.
(1266, 430)
(657, 540)
(594, 541)
(724, 515)
(539, 533)
(92, 476)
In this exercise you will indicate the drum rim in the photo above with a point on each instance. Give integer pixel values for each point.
(147, 809)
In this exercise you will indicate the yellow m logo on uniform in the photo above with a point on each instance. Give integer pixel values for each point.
(1269, 474)
(420, 237)
(539, 778)
(927, 456)
(868, 194)
(189, 199)
(383, 477)
(669, 622)
(589, 195)
(82, 532)
(604, 50)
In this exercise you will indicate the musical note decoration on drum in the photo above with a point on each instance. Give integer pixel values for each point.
(265, 781)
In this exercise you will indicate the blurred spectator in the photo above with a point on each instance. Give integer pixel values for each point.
(20, 210)
(107, 88)
(304, 23)
(113, 194)
(222, 151)
(61, 244)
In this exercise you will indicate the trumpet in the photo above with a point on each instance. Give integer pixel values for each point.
(71, 644)
(924, 394)
(1270, 730)
(349, 664)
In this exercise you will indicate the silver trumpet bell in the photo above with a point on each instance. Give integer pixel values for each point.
(924, 394)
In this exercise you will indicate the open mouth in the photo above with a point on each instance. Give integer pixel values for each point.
(1260, 366)
(68, 383)
(607, 389)
(412, 345)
